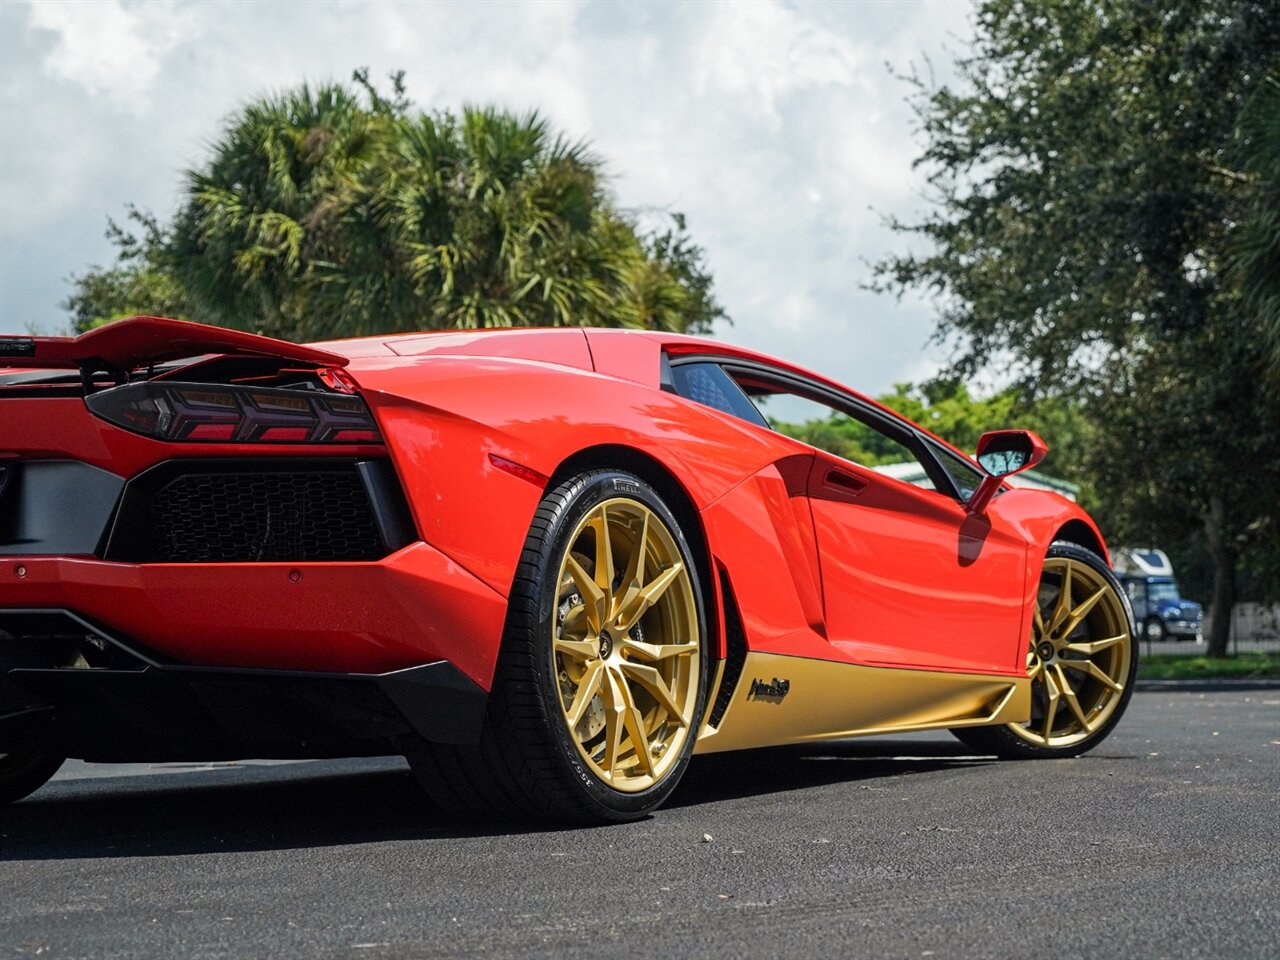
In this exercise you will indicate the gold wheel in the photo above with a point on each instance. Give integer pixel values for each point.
(625, 645)
(1079, 657)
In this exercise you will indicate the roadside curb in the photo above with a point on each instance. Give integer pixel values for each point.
(1210, 685)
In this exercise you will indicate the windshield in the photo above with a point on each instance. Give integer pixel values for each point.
(1163, 590)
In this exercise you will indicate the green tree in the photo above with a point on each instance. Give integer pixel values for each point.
(140, 282)
(1087, 200)
(339, 210)
(946, 407)
(1254, 246)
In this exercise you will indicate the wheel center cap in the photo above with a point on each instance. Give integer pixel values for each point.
(1045, 650)
(606, 646)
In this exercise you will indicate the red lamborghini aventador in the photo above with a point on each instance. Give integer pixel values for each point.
(547, 566)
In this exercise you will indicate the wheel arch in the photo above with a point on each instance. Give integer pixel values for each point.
(1083, 534)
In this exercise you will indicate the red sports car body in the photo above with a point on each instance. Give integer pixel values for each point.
(218, 545)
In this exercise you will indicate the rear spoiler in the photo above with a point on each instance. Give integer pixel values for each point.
(142, 341)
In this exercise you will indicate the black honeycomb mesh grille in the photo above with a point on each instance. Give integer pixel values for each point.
(230, 517)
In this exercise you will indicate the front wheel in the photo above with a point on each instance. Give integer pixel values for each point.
(1155, 630)
(23, 774)
(600, 684)
(1081, 660)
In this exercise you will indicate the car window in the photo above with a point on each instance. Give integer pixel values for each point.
(818, 416)
(842, 430)
(708, 384)
(963, 474)
(834, 431)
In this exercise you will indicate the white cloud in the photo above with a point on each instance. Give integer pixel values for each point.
(768, 51)
(774, 126)
(110, 48)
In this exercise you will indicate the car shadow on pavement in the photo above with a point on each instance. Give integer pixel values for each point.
(348, 802)
(746, 773)
(222, 810)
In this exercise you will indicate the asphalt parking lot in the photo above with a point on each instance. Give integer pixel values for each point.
(1164, 842)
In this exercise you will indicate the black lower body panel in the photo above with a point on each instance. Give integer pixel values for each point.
(68, 688)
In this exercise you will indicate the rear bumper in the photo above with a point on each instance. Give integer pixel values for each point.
(141, 708)
(414, 607)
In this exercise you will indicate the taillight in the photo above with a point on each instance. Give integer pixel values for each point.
(215, 412)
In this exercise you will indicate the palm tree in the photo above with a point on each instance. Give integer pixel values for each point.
(269, 211)
(324, 213)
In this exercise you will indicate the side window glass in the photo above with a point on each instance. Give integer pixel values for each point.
(840, 429)
(836, 432)
(963, 474)
(708, 384)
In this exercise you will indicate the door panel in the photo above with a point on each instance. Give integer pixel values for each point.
(904, 576)
(909, 579)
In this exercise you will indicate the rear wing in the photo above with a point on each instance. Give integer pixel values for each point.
(143, 341)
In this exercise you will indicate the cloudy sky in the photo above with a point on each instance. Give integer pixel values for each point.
(776, 127)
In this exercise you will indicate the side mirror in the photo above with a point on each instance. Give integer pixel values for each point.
(1003, 453)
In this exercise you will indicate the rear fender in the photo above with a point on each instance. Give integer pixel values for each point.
(445, 419)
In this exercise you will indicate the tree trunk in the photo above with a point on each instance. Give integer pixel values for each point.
(1224, 577)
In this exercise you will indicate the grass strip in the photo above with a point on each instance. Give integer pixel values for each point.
(1247, 665)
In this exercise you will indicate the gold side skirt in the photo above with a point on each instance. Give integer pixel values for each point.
(823, 700)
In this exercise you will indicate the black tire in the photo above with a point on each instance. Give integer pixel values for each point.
(1006, 742)
(1155, 630)
(23, 774)
(527, 765)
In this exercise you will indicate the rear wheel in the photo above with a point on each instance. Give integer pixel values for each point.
(1081, 660)
(1155, 630)
(600, 680)
(23, 774)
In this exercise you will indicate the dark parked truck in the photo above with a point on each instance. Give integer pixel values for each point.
(1158, 609)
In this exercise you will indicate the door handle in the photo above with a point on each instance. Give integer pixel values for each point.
(845, 482)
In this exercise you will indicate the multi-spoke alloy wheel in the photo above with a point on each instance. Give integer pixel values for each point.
(600, 685)
(626, 644)
(1081, 660)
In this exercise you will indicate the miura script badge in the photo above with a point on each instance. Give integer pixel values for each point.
(773, 692)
